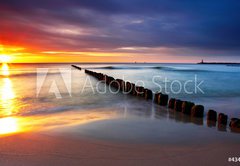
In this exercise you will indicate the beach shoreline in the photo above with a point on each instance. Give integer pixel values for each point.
(40, 149)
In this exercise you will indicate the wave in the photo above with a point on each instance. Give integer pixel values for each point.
(45, 111)
(127, 67)
(25, 74)
(164, 68)
(53, 110)
(187, 70)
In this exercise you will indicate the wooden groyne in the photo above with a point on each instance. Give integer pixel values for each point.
(76, 67)
(185, 107)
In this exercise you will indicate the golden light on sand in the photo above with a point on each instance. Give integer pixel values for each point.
(8, 125)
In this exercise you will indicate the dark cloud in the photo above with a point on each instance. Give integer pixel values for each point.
(111, 24)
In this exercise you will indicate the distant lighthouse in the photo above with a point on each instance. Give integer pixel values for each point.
(202, 61)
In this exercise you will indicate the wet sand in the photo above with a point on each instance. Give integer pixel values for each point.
(41, 150)
(119, 136)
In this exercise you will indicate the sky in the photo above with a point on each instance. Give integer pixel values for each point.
(120, 30)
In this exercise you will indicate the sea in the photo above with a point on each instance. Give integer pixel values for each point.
(59, 99)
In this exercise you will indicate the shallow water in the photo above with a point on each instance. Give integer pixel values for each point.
(86, 112)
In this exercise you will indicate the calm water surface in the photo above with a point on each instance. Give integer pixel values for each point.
(116, 116)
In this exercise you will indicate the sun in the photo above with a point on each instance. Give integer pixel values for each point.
(5, 58)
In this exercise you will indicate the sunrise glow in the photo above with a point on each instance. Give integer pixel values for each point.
(106, 32)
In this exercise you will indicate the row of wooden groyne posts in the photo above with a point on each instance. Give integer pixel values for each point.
(186, 107)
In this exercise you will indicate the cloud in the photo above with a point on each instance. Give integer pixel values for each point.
(88, 25)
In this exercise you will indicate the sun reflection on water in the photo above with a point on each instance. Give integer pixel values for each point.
(5, 69)
(12, 119)
(7, 92)
(7, 98)
(8, 124)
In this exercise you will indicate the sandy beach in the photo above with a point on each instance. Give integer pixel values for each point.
(41, 149)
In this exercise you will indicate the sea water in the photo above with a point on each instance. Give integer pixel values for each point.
(92, 109)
